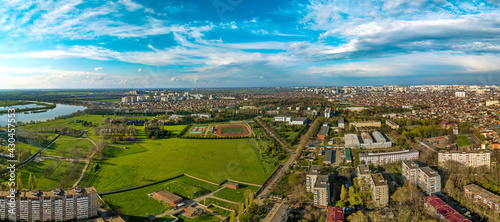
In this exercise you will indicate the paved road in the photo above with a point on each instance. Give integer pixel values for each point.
(276, 178)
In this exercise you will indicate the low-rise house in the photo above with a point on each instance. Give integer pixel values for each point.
(482, 197)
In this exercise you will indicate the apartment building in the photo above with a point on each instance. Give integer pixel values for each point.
(442, 210)
(380, 189)
(311, 176)
(410, 171)
(366, 141)
(363, 172)
(56, 205)
(392, 124)
(424, 177)
(365, 124)
(470, 159)
(429, 180)
(341, 123)
(322, 191)
(482, 197)
(279, 213)
(388, 157)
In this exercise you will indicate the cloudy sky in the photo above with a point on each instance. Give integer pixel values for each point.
(243, 43)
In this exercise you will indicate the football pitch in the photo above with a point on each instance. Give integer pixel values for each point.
(232, 130)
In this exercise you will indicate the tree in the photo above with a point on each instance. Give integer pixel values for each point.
(358, 217)
(19, 182)
(30, 182)
(34, 181)
(343, 193)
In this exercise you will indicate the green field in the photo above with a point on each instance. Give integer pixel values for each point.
(64, 147)
(153, 160)
(209, 201)
(235, 195)
(51, 179)
(71, 122)
(232, 130)
(463, 141)
(137, 203)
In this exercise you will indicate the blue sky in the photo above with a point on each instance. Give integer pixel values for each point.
(242, 43)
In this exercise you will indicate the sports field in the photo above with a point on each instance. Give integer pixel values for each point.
(232, 130)
(463, 141)
(153, 160)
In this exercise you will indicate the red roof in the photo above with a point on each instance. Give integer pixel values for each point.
(335, 214)
(449, 213)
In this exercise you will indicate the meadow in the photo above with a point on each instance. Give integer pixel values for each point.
(147, 160)
(235, 195)
(463, 141)
(137, 203)
(48, 180)
(64, 145)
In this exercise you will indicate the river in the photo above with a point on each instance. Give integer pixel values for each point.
(60, 110)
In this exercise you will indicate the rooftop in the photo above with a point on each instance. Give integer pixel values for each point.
(322, 181)
(429, 172)
(388, 153)
(410, 164)
(35, 194)
(323, 130)
(313, 170)
(169, 196)
(378, 179)
(363, 169)
(277, 213)
(335, 214)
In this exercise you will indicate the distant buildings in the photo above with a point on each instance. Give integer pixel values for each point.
(328, 112)
(322, 191)
(388, 157)
(56, 205)
(329, 157)
(366, 141)
(380, 189)
(482, 197)
(323, 131)
(460, 94)
(440, 208)
(298, 121)
(392, 124)
(423, 177)
(279, 213)
(469, 159)
(365, 124)
(335, 214)
(341, 123)
(129, 99)
(201, 115)
(290, 120)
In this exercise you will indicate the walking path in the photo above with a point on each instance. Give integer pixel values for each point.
(87, 162)
(250, 184)
(277, 176)
(206, 181)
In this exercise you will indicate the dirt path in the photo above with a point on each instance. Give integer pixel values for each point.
(251, 184)
(196, 178)
(87, 162)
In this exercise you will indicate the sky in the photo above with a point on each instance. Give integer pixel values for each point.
(243, 43)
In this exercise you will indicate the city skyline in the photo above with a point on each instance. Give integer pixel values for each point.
(221, 43)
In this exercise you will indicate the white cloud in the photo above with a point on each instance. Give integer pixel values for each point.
(97, 69)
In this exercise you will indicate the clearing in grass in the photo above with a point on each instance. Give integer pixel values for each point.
(463, 141)
(235, 195)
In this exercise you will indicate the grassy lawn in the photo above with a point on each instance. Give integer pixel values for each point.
(232, 130)
(137, 203)
(71, 122)
(463, 141)
(213, 160)
(235, 195)
(203, 217)
(209, 201)
(52, 179)
(65, 144)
